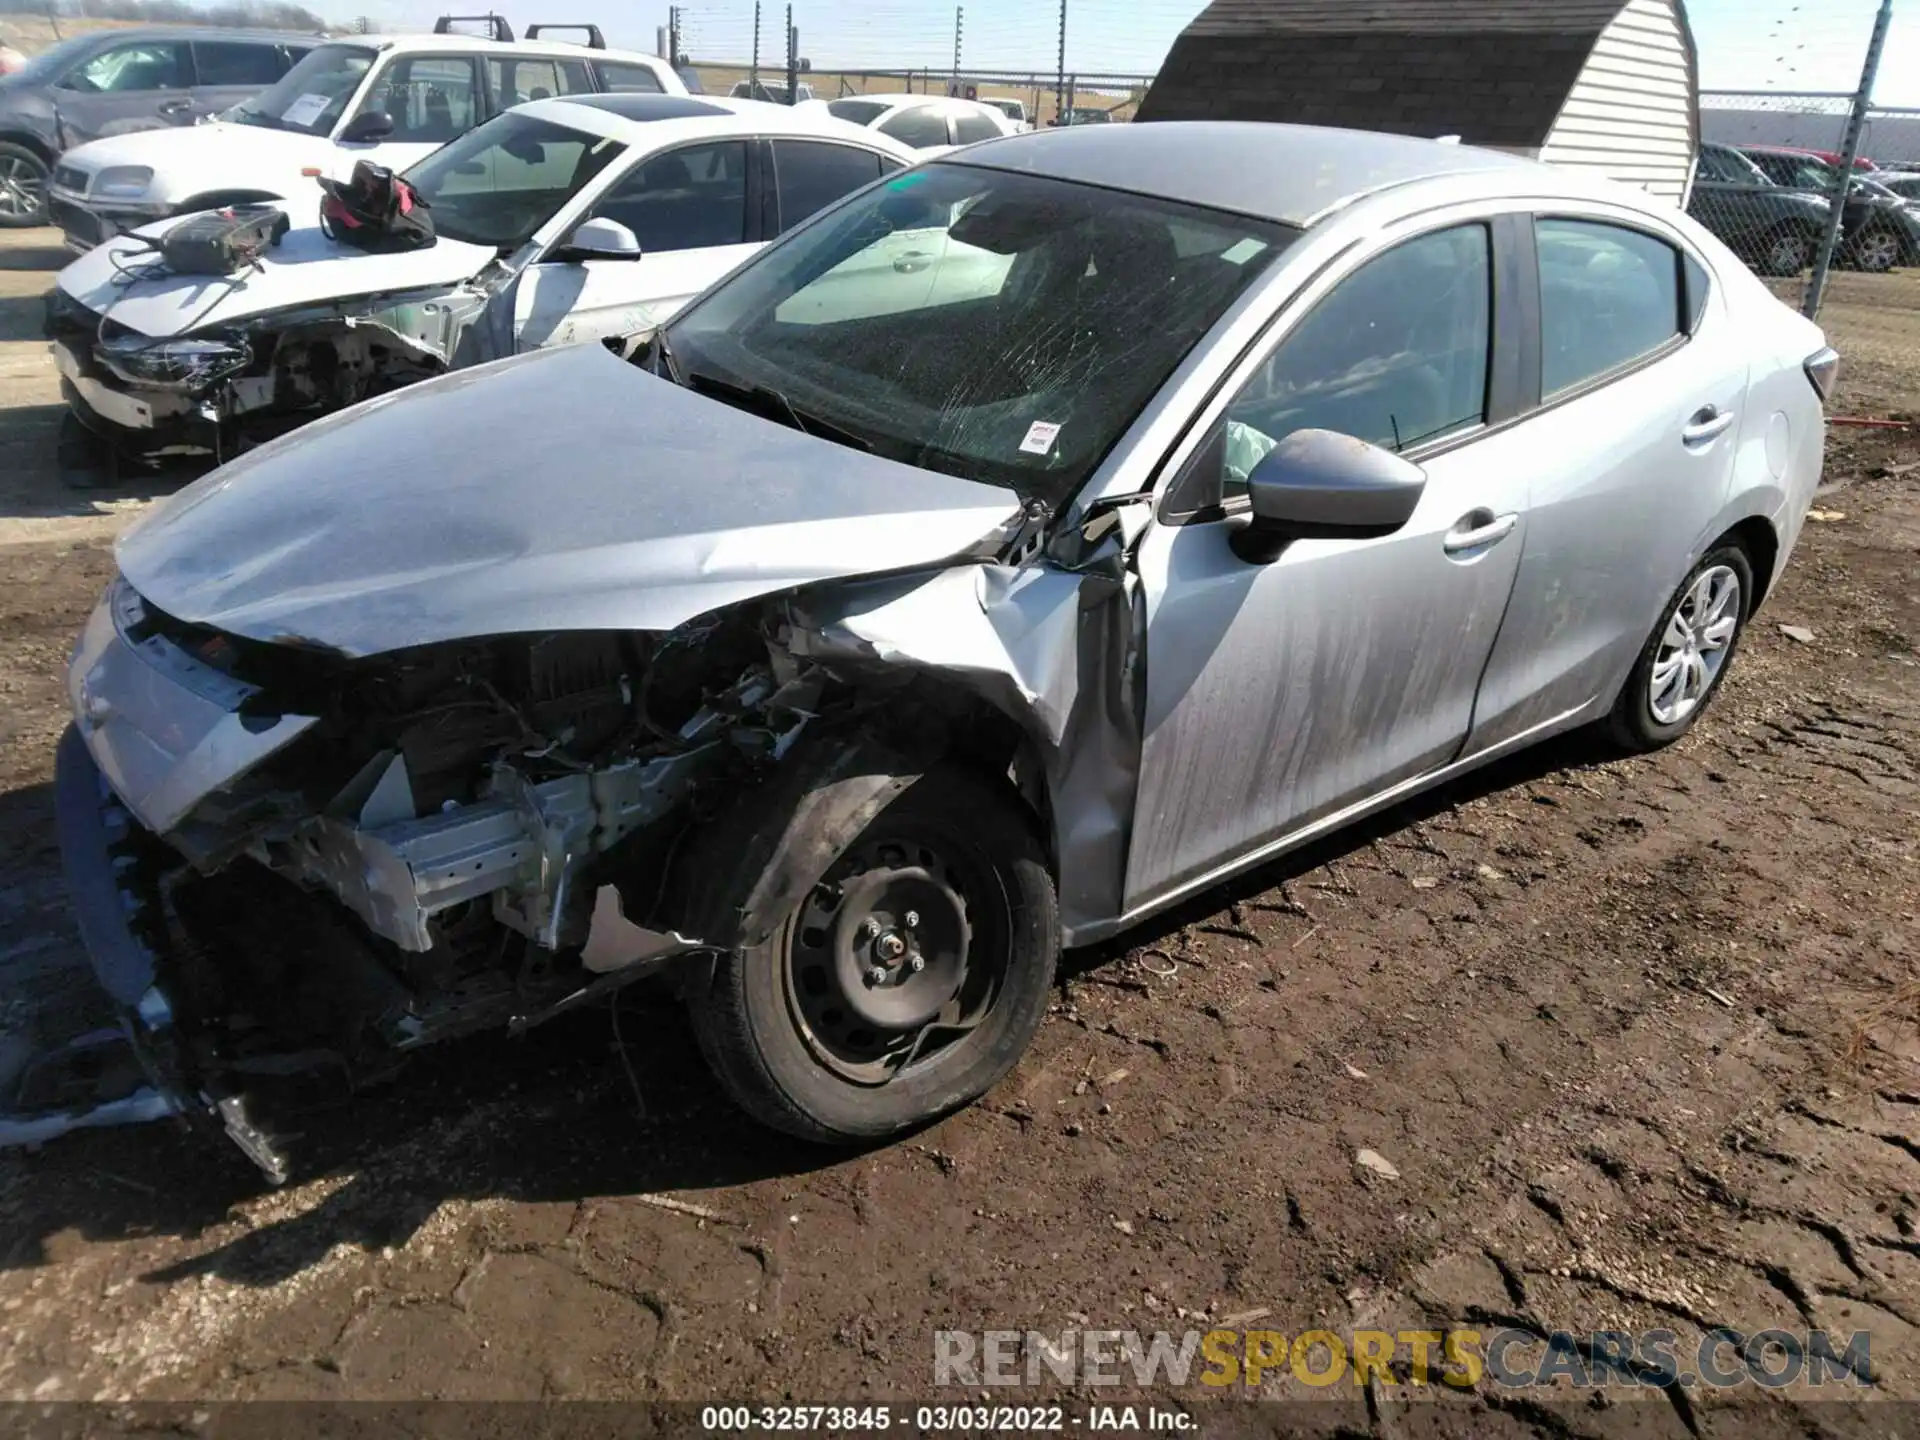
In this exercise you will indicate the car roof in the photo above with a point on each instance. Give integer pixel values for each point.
(139, 33)
(639, 119)
(1290, 173)
(455, 43)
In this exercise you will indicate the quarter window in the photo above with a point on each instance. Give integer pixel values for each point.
(810, 176)
(516, 81)
(1608, 296)
(226, 62)
(921, 127)
(686, 199)
(1396, 355)
(630, 79)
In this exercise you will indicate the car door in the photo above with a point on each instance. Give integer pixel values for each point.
(430, 98)
(1280, 693)
(225, 72)
(689, 209)
(140, 85)
(1643, 379)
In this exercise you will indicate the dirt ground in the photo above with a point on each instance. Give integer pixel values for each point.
(1638, 1038)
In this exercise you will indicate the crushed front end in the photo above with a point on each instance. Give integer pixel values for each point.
(214, 392)
(291, 868)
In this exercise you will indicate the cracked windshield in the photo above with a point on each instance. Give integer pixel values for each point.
(1060, 309)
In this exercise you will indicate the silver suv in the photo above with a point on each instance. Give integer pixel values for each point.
(116, 81)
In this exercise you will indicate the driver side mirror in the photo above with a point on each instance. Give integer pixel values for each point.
(1321, 485)
(366, 127)
(600, 239)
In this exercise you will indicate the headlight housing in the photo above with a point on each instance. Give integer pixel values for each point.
(121, 182)
(189, 365)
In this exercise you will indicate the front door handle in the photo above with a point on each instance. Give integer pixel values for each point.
(174, 109)
(912, 262)
(1478, 529)
(1708, 424)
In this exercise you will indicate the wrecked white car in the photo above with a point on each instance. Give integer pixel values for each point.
(590, 218)
(1038, 538)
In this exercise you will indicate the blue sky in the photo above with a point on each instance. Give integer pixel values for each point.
(1784, 45)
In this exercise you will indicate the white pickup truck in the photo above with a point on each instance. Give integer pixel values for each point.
(391, 99)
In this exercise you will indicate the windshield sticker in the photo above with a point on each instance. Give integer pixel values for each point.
(1040, 438)
(304, 111)
(1243, 252)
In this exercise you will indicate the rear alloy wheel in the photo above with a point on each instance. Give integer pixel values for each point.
(902, 985)
(1687, 656)
(1787, 251)
(1877, 251)
(23, 187)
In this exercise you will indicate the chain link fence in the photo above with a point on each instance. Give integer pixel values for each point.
(1770, 184)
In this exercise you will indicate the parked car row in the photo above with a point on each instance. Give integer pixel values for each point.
(593, 217)
(1773, 205)
(115, 82)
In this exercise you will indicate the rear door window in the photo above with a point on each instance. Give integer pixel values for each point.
(228, 62)
(1608, 296)
(810, 175)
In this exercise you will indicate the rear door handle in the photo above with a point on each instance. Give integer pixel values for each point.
(1708, 424)
(1483, 528)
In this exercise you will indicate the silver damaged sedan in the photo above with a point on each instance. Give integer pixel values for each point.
(1030, 541)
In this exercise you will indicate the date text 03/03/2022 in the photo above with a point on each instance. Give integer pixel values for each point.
(936, 1419)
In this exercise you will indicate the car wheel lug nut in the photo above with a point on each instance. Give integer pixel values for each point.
(913, 918)
(876, 975)
(917, 964)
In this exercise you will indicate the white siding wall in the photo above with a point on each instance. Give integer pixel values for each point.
(1627, 116)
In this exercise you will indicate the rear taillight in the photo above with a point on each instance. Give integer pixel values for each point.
(1823, 369)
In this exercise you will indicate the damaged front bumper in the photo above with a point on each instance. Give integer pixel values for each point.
(249, 943)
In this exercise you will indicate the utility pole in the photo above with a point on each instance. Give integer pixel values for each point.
(753, 69)
(959, 25)
(1060, 75)
(1849, 152)
(793, 60)
(673, 36)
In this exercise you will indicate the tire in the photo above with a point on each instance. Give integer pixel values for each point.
(766, 1022)
(1785, 250)
(23, 187)
(1651, 712)
(1875, 252)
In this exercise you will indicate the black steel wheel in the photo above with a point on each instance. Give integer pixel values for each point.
(904, 983)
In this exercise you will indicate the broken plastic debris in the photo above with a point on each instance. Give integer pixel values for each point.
(1376, 1162)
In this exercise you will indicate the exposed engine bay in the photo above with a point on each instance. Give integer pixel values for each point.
(466, 836)
(218, 392)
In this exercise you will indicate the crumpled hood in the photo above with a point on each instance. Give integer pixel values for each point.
(305, 268)
(562, 490)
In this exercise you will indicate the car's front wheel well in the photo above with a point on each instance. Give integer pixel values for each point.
(1755, 536)
(25, 141)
